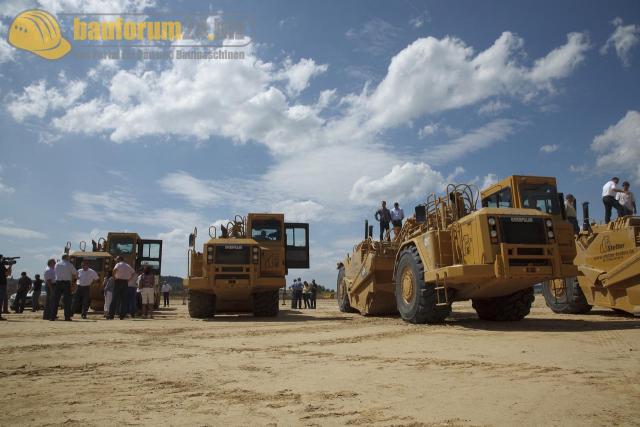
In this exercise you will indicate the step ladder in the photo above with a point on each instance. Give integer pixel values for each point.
(442, 296)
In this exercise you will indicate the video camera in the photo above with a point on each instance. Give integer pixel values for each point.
(8, 261)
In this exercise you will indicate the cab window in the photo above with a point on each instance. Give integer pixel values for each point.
(501, 199)
(266, 229)
(121, 246)
(543, 197)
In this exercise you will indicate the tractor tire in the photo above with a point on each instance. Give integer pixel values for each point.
(512, 307)
(201, 305)
(571, 300)
(341, 294)
(415, 299)
(265, 304)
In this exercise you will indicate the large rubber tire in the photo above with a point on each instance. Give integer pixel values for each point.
(571, 301)
(341, 294)
(415, 299)
(201, 305)
(266, 304)
(512, 307)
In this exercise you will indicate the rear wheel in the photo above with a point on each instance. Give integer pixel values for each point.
(507, 308)
(201, 305)
(341, 294)
(416, 300)
(265, 304)
(565, 296)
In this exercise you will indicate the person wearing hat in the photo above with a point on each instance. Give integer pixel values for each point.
(570, 209)
(122, 273)
(65, 273)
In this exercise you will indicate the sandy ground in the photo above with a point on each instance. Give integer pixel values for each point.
(321, 368)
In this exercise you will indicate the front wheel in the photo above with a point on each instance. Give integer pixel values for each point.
(507, 308)
(416, 300)
(201, 305)
(565, 296)
(265, 304)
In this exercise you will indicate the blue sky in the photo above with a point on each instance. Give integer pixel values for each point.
(333, 109)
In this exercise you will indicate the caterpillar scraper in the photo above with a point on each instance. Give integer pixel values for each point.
(607, 255)
(242, 269)
(452, 251)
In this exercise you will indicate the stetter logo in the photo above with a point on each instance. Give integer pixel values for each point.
(38, 32)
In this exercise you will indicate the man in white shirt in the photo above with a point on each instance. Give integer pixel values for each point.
(609, 191)
(65, 272)
(86, 276)
(122, 273)
(397, 215)
(166, 288)
(49, 283)
(627, 200)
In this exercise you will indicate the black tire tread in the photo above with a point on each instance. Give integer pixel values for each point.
(509, 308)
(341, 297)
(201, 305)
(428, 311)
(266, 304)
(576, 302)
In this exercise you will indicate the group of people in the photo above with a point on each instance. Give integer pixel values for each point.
(303, 292)
(622, 199)
(385, 217)
(120, 288)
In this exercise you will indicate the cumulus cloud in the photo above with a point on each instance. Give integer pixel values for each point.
(492, 108)
(36, 100)
(618, 148)
(433, 75)
(299, 74)
(407, 181)
(623, 39)
(549, 148)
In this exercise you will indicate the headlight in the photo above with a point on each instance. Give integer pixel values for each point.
(550, 234)
(492, 221)
(494, 233)
(549, 223)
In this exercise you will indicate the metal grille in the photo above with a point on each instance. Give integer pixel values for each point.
(522, 230)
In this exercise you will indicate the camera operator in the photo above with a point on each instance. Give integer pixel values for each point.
(4, 273)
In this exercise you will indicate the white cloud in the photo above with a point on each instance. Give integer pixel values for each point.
(20, 233)
(618, 147)
(197, 191)
(299, 74)
(578, 168)
(122, 207)
(6, 51)
(623, 39)
(489, 179)
(433, 75)
(549, 148)
(477, 139)
(36, 100)
(6, 189)
(492, 108)
(420, 20)
(375, 36)
(408, 181)
(428, 130)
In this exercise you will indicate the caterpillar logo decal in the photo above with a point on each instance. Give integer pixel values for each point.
(38, 32)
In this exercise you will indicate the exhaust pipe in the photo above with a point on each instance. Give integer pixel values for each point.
(366, 229)
(586, 222)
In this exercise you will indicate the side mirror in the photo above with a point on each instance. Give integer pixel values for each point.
(192, 240)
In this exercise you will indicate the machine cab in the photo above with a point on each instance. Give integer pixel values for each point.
(273, 234)
(135, 251)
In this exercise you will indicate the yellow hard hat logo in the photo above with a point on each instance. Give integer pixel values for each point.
(38, 32)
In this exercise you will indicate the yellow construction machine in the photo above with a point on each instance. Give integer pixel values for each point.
(451, 251)
(242, 268)
(606, 255)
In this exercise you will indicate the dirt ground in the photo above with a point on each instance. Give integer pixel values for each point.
(321, 367)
